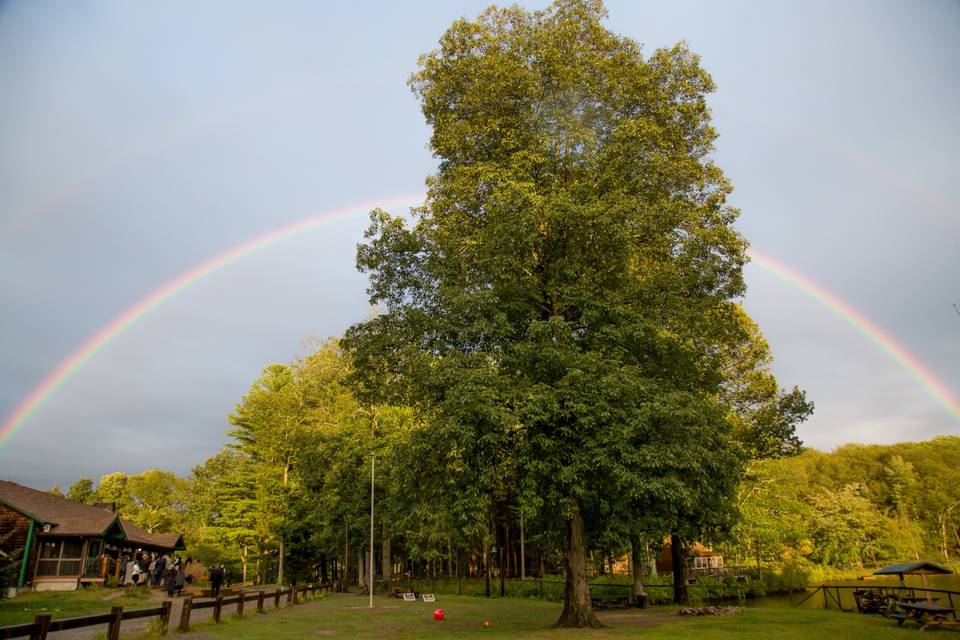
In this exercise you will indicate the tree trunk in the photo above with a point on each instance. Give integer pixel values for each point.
(523, 552)
(639, 592)
(486, 564)
(577, 606)
(501, 558)
(387, 561)
(757, 549)
(679, 570)
(361, 568)
(450, 573)
(243, 564)
(943, 537)
(286, 475)
(346, 554)
(508, 545)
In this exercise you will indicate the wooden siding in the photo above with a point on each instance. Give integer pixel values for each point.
(19, 524)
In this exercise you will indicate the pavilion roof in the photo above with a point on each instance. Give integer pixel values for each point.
(911, 568)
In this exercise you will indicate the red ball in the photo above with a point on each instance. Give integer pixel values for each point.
(487, 624)
(438, 614)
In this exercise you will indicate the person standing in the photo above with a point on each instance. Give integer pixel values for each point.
(129, 572)
(181, 576)
(170, 580)
(216, 579)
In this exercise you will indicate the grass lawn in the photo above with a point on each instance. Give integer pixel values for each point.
(348, 616)
(68, 604)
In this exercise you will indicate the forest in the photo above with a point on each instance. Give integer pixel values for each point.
(289, 498)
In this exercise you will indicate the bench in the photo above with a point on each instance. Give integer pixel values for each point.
(606, 602)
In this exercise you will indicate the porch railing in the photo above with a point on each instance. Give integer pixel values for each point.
(49, 567)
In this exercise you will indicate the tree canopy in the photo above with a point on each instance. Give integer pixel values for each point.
(563, 307)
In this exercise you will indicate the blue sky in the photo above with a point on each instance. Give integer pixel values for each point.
(141, 139)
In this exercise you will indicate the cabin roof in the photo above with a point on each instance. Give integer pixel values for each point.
(69, 518)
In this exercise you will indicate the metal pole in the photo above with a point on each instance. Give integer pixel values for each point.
(372, 458)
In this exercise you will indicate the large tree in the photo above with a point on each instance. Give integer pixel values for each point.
(559, 310)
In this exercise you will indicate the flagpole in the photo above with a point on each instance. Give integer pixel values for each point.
(372, 458)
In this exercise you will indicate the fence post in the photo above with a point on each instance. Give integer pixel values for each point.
(240, 603)
(185, 615)
(826, 603)
(260, 601)
(42, 624)
(217, 607)
(165, 616)
(113, 631)
(276, 599)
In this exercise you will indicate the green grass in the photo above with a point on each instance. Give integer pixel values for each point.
(68, 604)
(348, 616)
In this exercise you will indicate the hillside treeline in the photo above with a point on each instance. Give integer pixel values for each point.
(861, 505)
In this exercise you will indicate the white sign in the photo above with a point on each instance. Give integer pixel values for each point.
(428, 597)
(409, 597)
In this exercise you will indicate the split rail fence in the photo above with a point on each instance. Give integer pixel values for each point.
(43, 624)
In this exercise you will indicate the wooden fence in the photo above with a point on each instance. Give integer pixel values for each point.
(43, 624)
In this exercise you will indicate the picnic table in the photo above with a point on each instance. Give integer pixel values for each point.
(605, 602)
(926, 615)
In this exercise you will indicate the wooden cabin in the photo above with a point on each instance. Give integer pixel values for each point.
(701, 560)
(62, 543)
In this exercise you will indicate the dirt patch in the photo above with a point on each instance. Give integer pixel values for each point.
(324, 632)
(638, 618)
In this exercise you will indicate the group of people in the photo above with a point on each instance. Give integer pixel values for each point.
(153, 569)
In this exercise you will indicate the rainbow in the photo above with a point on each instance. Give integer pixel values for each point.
(35, 399)
(910, 363)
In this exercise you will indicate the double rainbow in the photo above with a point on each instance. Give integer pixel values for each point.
(35, 399)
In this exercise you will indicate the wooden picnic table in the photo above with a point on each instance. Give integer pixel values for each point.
(926, 615)
(605, 602)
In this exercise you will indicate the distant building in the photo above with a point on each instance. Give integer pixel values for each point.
(700, 560)
(64, 543)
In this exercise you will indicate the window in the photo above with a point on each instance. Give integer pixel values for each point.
(60, 557)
